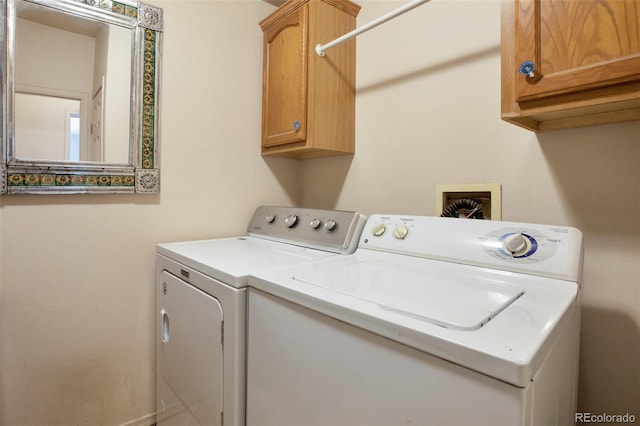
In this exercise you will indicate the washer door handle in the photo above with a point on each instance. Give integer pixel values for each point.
(165, 326)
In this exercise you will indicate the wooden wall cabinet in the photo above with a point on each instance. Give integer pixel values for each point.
(308, 101)
(587, 62)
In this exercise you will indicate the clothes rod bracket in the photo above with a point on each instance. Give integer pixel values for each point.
(322, 48)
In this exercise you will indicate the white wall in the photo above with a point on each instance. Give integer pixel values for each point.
(117, 103)
(77, 271)
(38, 45)
(427, 113)
(42, 126)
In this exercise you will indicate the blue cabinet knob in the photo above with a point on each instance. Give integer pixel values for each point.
(527, 68)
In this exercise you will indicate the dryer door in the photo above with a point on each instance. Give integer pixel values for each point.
(189, 354)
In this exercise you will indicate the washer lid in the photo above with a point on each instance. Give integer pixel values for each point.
(463, 303)
(359, 290)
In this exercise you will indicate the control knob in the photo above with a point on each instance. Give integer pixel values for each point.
(379, 229)
(400, 232)
(315, 223)
(516, 244)
(330, 225)
(291, 221)
(270, 218)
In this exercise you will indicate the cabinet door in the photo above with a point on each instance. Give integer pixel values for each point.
(576, 45)
(284, 98)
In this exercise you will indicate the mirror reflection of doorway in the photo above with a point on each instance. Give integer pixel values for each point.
(95, 148)
(58, 53)
(47, 118)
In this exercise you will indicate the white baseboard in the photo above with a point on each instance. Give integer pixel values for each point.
(148, 420)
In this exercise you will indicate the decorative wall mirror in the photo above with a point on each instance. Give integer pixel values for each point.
(80, 96)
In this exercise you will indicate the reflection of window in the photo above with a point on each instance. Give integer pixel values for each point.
(74, 137)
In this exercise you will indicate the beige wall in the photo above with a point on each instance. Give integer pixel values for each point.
(427, 113)
(77, 271)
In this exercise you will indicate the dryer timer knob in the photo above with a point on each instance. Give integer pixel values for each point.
(291, 221)
(330, 225)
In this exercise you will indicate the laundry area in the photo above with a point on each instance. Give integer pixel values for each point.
(540, 244)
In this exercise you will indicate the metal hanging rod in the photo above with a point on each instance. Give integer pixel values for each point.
(321, 48)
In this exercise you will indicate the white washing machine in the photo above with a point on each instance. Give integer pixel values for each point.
(432, 321)
(201, 306)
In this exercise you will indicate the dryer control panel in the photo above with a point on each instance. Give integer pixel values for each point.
(331, 230)
(552, 251)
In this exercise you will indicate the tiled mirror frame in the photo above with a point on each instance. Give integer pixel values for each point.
(142, 174)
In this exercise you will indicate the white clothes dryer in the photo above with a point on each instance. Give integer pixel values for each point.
(432, 321)
(201, 306)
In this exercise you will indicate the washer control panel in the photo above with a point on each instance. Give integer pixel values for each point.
(521, 244)
(398, 230)
(554, 251)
